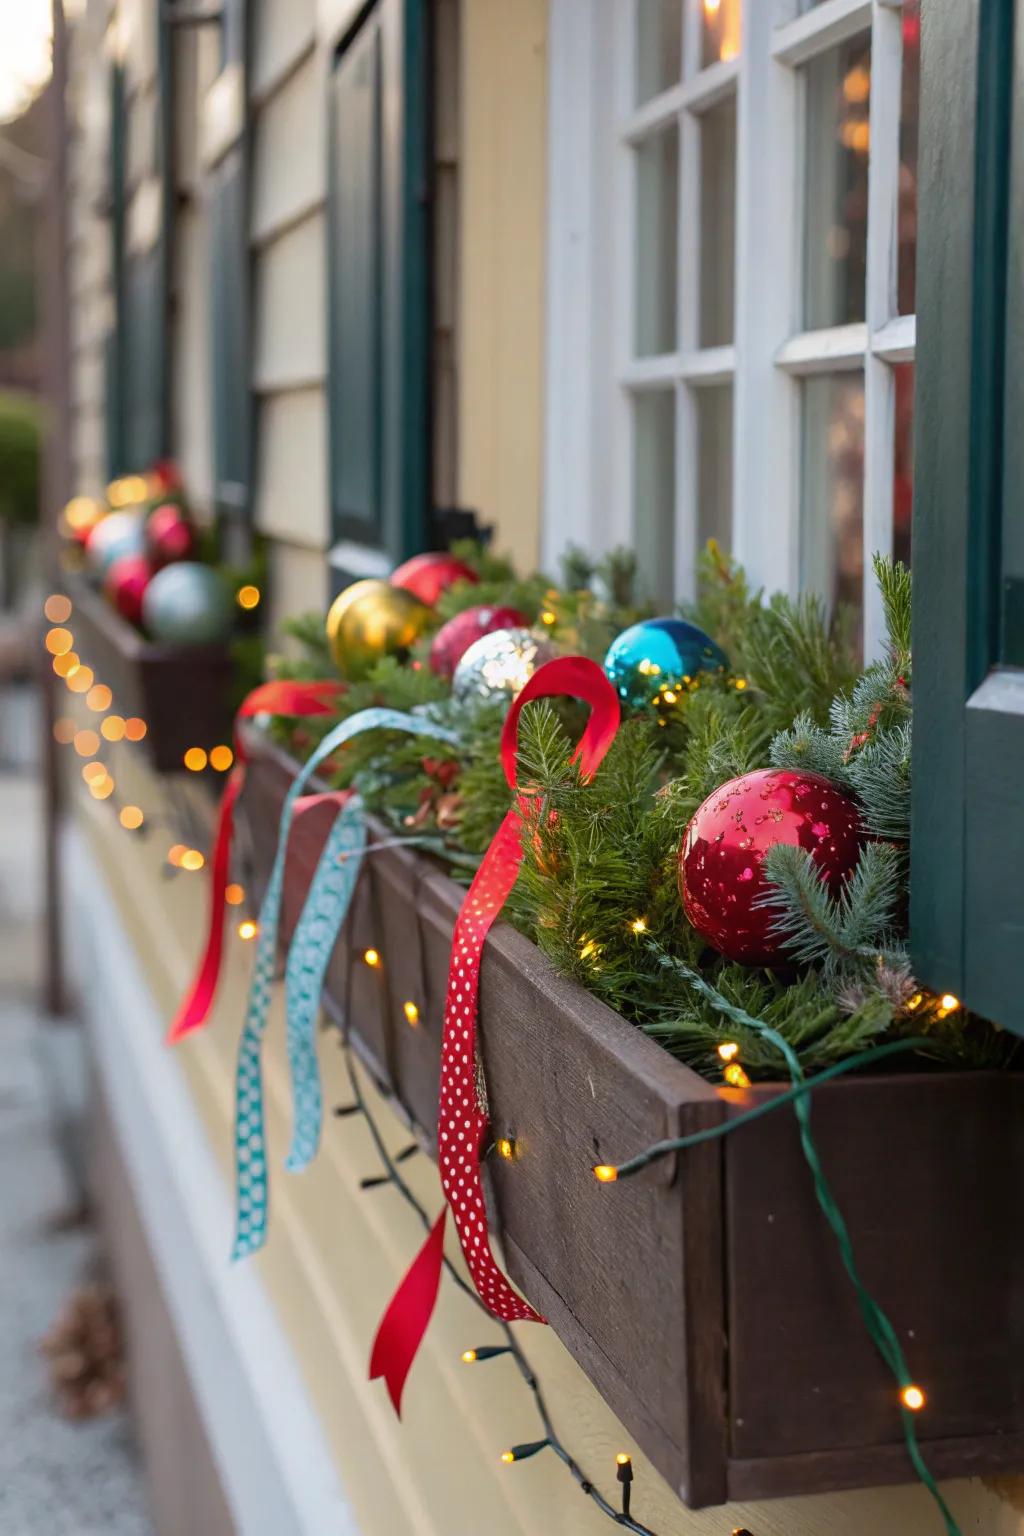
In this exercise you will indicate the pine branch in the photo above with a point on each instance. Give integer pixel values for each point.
(893, 579)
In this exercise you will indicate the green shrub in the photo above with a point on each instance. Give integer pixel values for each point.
(20, 449)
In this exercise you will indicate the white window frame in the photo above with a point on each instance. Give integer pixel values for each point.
(590, 370)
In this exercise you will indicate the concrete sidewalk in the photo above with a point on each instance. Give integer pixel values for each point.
(56, 1478)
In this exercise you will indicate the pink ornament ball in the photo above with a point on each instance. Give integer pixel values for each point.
(170, 536)
(454, 639)
(125, 585)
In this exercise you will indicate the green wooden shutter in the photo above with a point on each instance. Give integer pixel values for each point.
(138, 350)
(967, 898)
(378, 261)
(228, 202)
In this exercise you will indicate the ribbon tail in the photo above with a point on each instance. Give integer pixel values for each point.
(323, 913)
(408, 1316)
(196, 1006)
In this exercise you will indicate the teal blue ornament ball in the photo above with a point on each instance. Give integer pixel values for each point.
(187, 604)
(653, 665)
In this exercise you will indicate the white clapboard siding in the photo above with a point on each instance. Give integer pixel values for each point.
(283, 32)
(289, 154)
(89, 447)
(291, 467)
(138, 37)
(290, 342)
(298, 584)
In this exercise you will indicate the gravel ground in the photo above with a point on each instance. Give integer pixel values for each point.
(57, 1478)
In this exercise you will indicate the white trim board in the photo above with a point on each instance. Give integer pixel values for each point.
(276, 1469)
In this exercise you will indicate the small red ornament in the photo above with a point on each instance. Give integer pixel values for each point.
(455, 638)
(165, 477)
(170, 536)
(125, 583)
(721, 860)
(427, 576)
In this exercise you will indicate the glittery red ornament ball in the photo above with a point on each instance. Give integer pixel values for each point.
(455, 638)
(721, 860)
(427, 576)
(170, 536)
(125, 584)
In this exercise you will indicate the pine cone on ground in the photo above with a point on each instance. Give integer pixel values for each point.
(85, 1351)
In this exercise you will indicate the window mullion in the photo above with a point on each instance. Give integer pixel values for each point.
(880, 300)
(766, 403)
(687, 460)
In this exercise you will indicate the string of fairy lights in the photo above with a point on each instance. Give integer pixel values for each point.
(90, 742)
(549, 1440)
(507, 1148)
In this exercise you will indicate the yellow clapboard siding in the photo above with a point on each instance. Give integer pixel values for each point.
(289, 330)
(291, 468)
(502, 169)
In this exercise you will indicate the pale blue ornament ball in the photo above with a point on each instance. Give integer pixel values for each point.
(654, 664)
(187, 604)
(118, 534)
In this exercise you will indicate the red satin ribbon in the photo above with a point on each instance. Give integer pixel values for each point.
(462, 1125)
(275, 698)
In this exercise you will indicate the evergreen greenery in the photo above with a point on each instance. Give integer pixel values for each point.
(598, 890)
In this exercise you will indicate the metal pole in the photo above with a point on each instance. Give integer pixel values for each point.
(55, 480)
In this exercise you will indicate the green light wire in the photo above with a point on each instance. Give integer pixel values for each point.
(880, 1329)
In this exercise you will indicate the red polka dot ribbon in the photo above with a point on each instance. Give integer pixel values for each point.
(275, 698)
(462, 1122)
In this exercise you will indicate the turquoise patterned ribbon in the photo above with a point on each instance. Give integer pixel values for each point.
(323, 913)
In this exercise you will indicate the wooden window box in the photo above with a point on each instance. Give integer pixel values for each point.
(705, 1298)
(182, 693)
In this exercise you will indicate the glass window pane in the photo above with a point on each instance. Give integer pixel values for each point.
(654, 491)
(717, 223)
(906, 286)
(657, 241)
(720, 30)
(836, 220)
(714, 465)
(659, 46)
(903, 466)
(832, 544)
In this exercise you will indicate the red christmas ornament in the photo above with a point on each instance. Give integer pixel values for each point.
(164, 477)
(427, 576)
(721, 860)
(455, 638)
(125, 583)
(170, 536)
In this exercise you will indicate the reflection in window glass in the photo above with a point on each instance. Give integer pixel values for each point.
(721, 30)
(654, 491)
(903, 465)
(714, 465)
(657, 241)
(659, 46)
(836, 221)
(832, 512)
(906, 286)
(717, 223)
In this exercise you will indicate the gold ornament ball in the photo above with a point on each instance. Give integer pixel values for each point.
(371, 619)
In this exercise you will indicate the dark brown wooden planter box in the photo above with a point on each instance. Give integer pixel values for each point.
(182, 693)
(705, 1298)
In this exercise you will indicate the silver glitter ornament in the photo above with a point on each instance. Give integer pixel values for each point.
(497, 664)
